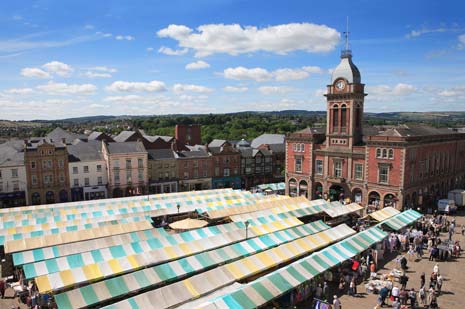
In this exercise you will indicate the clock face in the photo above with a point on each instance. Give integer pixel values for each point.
(340, 85)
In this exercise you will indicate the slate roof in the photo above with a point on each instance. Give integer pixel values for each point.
(58, 134)
(312, 131)
(123, 136)
(193, 154)
(415, 130)
(11, 154)
(161, 154)
(216, 143)
(126, 147)
(85, 151)
(269, 139)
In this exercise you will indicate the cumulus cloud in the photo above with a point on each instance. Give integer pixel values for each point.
(97, 106)
(123, 86)
(34, 72)
(124, 38)
(20, 91)
(235, 89)
(458, 91)
(424, 30)
(53, 88)
(170, 52)
(385, 92)
(100, 72)
(197, 65)
(191, 88)
(260, 74)
(58, 68)
(235, 39)
(268, 90)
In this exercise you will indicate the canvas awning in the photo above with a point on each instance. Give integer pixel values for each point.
(384, 213)
(102, 291)
(188, 224)
(337, 210)
(402, 220)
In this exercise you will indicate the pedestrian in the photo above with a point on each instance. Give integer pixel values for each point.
(326, 290)
(403, 280)
(422, 280)
(342, 285)
(336, 303)
(396, 303)
(436, 269)
(352, 287)
(395, 292)
(432, 298)
(372, 270)
(422, 296)
(318, 291)
(412, 295)
(463, 230)
(439, 283)
(383, 294)
(2, 288)
(403, 296)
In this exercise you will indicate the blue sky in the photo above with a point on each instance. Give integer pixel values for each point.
(63, 59)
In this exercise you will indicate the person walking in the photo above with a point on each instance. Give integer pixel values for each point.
(403, 280)
(422, 280)
(326, 291)
(352, 287)
(396, 303)
(412, 295)
(336, 303)
(439, 281)
(436, 269)
(422, 296)
(463, 230)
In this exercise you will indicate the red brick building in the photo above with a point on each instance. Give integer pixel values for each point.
(403, 166)
(188, 134)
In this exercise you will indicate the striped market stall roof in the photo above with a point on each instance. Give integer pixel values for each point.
(402, 220)
(204, 283)
(273, 186)
(97, 271)
(383, 214)
(53, 229)
(263, 290)
(74, 236)
(156, 241)
(99, 292)
(338, 209)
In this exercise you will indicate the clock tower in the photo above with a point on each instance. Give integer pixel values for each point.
(345, 98)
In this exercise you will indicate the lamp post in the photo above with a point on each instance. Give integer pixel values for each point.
(247, 229)
(178, 206)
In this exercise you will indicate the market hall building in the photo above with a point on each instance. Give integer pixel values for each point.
(401, 166)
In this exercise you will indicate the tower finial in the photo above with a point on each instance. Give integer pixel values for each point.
(346, 52)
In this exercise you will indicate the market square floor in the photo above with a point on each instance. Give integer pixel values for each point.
(453, 272)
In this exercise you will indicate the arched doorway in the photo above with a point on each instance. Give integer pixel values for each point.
(117, 192)
(292, 187)
(303, 188)
(357, 195)
(49, 197)
(336, 193)
(389, 200)
(36, 198)
(63, 196)
(318, 190)
(374, 200)
(407, 202)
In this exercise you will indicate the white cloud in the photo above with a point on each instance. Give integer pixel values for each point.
(149, 49)
(260, 74)
(458, 92)
(91, 74)
(58, 68)
(124, 38)
(191, 88)
(241, 73)
(461, 41)
(424, 30)
(89, 27)
(96, 105)
(235, 39)
(53, 88)
(197, 65)
(235, 89)
(403, 89)
(105, 35)
(34, 72)
(385, 92)
(122, 86)
(320, 93)
(20, 91)
(170, 52)
(268, 90)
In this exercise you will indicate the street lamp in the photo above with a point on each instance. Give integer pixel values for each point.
(178, 206)
(247, 229)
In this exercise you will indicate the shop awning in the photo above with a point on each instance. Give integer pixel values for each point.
(184, 267)
(188, 224)
(383, 214)
(281, 281)
(337, 210)
(239, 269)
(402, 220)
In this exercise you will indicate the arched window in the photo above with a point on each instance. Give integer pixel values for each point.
(385, 153)
(378, 153)
(343, 118)
(335, 117)
(391, 153)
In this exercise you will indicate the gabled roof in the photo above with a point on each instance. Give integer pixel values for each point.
(407, 131)
(153, 138)
(193, 154)
(217, 143)
(58, 134)
(11, 155)
(123, 136)
(269, 139)
(126, 147)
(312, 131)
(85, 151)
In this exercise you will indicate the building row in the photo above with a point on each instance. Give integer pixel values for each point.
(64, 166)
(403, 166)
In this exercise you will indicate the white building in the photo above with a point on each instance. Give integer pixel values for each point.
(87, 171)
(13, 180)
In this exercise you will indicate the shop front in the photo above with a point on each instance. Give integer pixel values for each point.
(226, 182)
(95, 193)
(12, 199)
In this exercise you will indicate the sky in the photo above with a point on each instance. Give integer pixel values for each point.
(62, 59)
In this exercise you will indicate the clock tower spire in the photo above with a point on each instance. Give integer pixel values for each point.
(345, 99)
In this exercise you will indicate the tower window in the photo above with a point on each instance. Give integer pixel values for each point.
(343, 118)
(335, 117)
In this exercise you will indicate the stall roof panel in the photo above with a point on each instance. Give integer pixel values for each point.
(402, 220)
(385, 213)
